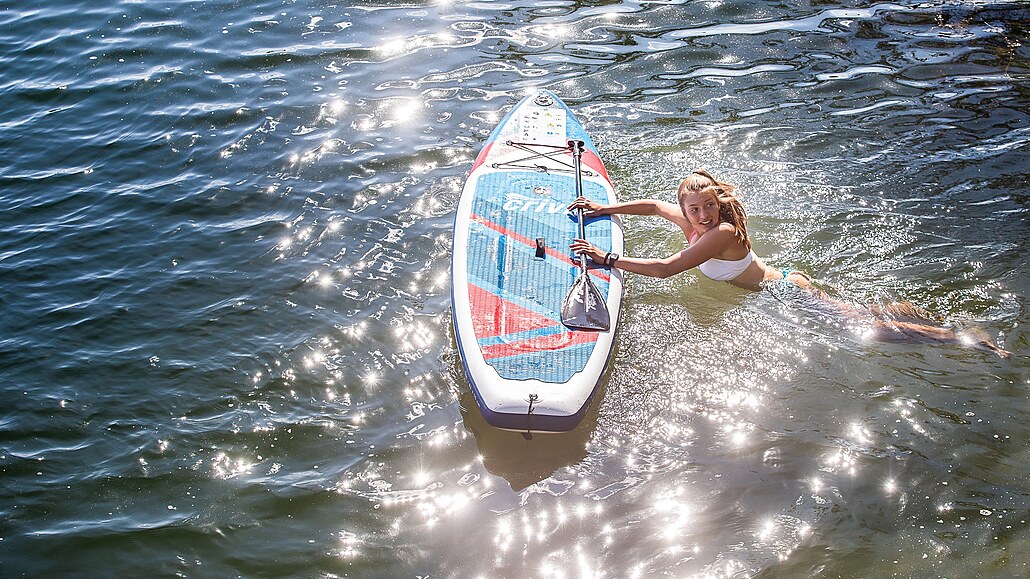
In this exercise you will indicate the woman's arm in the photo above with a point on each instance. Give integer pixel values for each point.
(639, 207)
(710, 245)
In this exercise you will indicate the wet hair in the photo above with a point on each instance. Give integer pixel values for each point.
(731, 210)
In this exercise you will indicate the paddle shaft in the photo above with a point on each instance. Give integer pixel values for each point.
(577, 155)
(584, 306)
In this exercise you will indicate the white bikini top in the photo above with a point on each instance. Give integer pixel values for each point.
(725, 269)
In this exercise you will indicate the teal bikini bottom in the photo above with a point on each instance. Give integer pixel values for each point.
(787, 271)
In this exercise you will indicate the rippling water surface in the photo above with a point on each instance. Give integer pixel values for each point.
(226, 345)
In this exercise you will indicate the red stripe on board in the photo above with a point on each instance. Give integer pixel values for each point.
(493, 316)
(539, 344)
(590, 159)
(481, 157)
(598, 273)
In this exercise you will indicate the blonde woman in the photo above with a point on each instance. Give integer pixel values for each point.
(714, 223)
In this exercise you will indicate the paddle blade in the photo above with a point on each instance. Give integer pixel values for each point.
(584, 308)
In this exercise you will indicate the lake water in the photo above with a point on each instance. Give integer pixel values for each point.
(226, 344)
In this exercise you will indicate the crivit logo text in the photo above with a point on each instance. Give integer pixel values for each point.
(517, 202)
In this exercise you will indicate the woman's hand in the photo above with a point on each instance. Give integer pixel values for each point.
(583, 246)
(589, 207)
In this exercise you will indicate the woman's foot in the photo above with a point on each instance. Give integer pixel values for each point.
(891, 331)
(979, 339)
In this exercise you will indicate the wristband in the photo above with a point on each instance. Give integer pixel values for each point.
(607, 256)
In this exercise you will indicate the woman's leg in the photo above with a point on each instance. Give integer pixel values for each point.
(893, 330)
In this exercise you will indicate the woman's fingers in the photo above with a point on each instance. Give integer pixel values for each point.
(584, 246)
(587, 205)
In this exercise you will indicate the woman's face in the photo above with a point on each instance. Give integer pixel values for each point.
(701, 209)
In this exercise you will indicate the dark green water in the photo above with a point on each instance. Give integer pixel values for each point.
(226, 346)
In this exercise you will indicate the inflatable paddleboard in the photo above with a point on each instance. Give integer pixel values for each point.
(512, 269)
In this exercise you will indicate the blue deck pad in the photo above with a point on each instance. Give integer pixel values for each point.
(532, 205)
(486, 271)
(545, 365)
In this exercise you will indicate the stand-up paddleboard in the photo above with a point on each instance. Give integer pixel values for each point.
(512, 270)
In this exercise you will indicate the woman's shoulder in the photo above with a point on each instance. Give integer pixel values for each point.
(721, 237)
(725, 231)
(724, 236)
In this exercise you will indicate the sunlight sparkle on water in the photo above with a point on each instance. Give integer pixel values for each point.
(392, 47)
(562, 517)
(314, 359)
(444, 39)
(441, 280)
(842, 460)
(364, 123)
(581, 510)
(767, 530)
(226, 467)
(349, 543)
(405, 110)
(371, 379)
(674, 513)
(555, 30)
(422, 168)
(414, 337)
(859, 433)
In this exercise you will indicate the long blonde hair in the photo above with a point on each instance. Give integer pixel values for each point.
(731, 210)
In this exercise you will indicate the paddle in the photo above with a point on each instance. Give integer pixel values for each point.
(583, 308)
